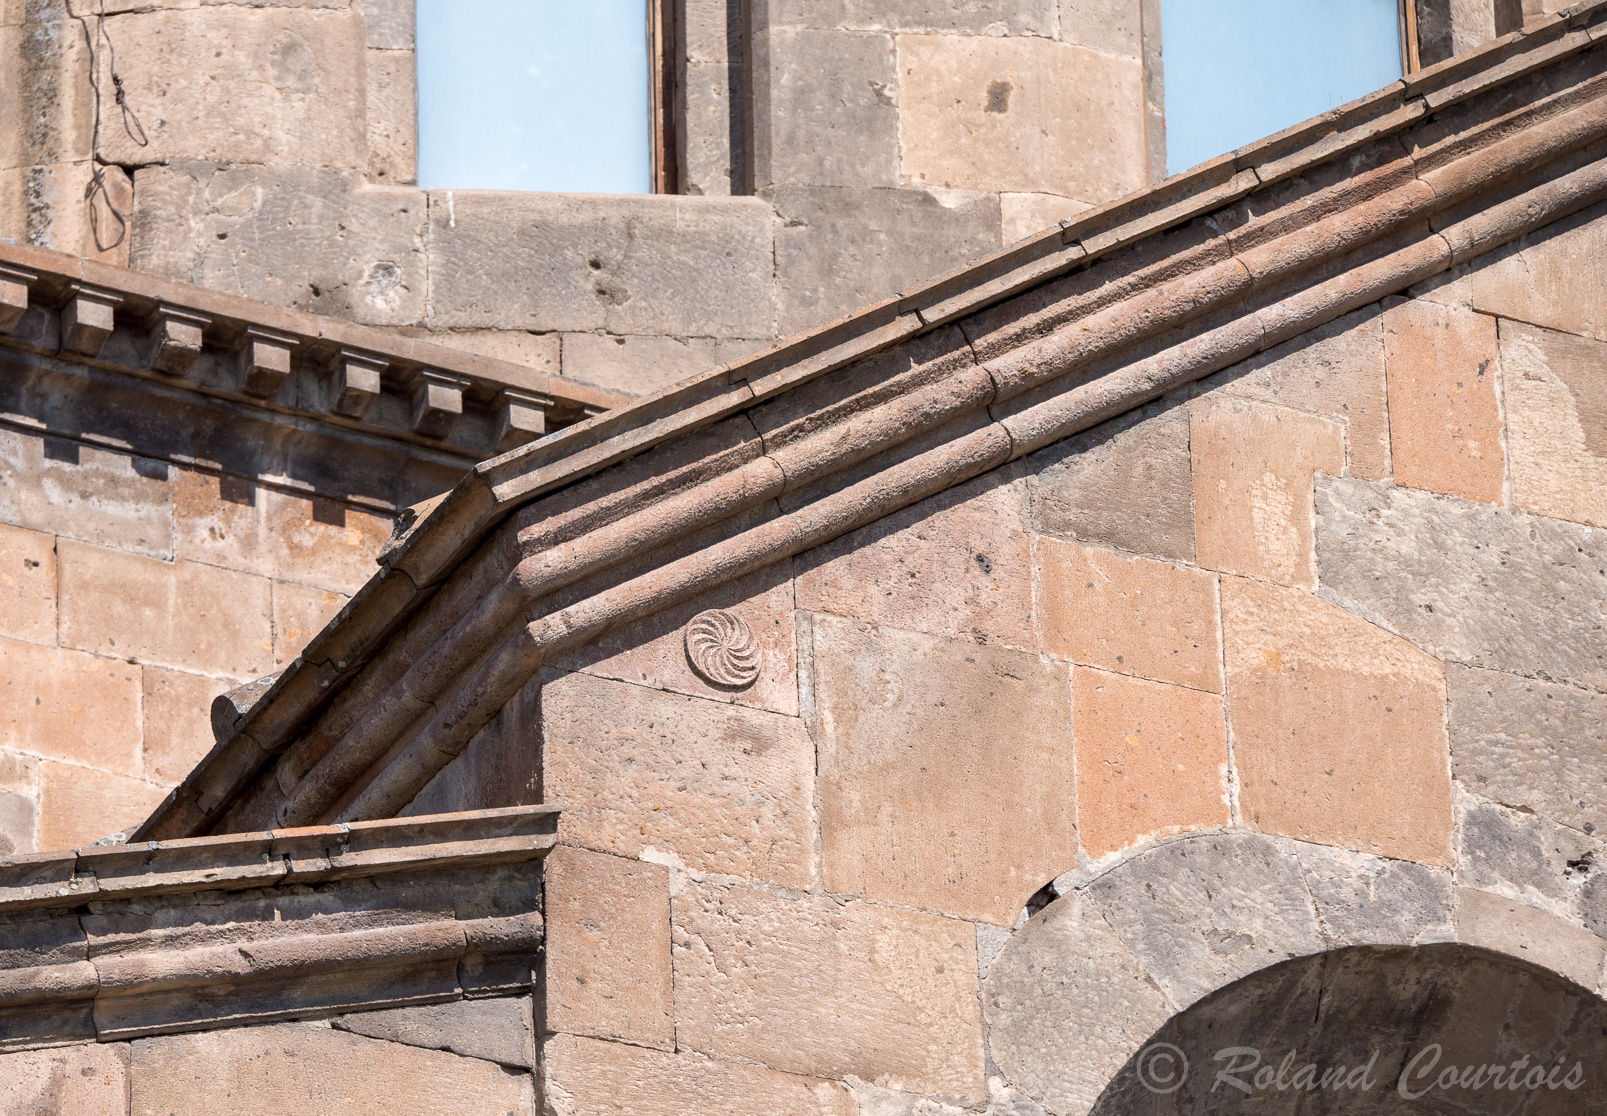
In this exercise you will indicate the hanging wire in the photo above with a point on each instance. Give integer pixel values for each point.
(131, 125)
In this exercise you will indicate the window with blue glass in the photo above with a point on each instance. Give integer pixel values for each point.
(1237, 70)
(535, 95)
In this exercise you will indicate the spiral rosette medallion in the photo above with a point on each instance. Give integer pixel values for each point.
(719, 645)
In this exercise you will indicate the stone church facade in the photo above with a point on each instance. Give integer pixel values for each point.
(1173, 630)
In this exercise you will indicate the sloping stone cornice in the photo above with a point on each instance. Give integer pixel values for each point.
(119, 941)
(638, 509)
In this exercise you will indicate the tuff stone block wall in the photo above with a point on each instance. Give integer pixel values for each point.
(1310, 611)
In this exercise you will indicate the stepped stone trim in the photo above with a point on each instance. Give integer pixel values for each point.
(119, 941)
(354, 376)
(821, 434)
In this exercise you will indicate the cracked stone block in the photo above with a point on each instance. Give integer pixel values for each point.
(1370, 900)
(1523, 856)
(496, 1030)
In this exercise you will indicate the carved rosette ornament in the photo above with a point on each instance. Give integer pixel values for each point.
(719, 645)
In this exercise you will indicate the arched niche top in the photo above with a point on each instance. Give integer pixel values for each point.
(1080, 989)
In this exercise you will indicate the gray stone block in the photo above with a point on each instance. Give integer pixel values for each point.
(1529, 744)
(966, 17)
(497, 1030)
(1469, 582)
(710, 150)
(825, 110)
(640, 365)
(389, 24)
(1523, 856)
(1126, 483)
(18, 823)
(1204, 912)
(838, 250)
(1368, 900)
(644, 264)
(315, 240)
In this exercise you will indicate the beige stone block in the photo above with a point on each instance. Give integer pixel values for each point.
(1152, 759)
(46, 206)
(79, 805)
(177, 614)
(1445, 420)
(642, 772)
(86, 1080)
(244, 85)
(1553, 279)
(585, 1077)
(539, 351)
(27, 585)
(1555, 389)
(1112, 26)
(1023, 215)
(230, 522)
(1131, 615)
(65, 488)
(302, 1069)
(641, 365)
(392, 117)
(946, 777)
(177, 717)
(71, 706)
(1336, 371)
(958, 564)
(1253, 466)
(19, 803)
(1338, 727)
(1020, 114)
(299, 613)
(608, 948)
(826, 987)
(1519, 930)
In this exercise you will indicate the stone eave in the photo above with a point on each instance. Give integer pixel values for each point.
(1177, 282)
(178, 338)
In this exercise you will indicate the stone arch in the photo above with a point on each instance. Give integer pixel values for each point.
(1083, 985)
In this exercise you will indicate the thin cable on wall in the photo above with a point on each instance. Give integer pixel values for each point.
(131, 125)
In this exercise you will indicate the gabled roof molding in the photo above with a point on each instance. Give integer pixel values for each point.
(638, 509)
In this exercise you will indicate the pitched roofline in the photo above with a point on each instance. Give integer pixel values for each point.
(1167, 313)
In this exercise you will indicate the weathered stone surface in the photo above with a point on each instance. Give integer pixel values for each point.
(87, 1080)
(1512, 927)
(304, 237)
(80, 805)
(299, 613)
(27, 585)
(500, 767)
(838, 250)
(640, 365)
(974, 17)
(608, 948)
(1130, 615)
(1445, 420)
(19, 804)
(1367, 900)
(1550, 277)
(67, 705)
(1337, 371)
(1522, 856)
(269, 99)
(389, 23)
(825, 109)
(1025, 113)
(45, 206)
(585, 1077)
(1253, 468)
(176, 614)
(1556, 407)
(1152, 759)
(1067, 1003)
(177, 724)
(706, 168)
(1022, 215)
(66, 488)
(1478, 585)
(958, 564)
(1126, 483)
(497, 1030)
(1529, 744)
(538, 351)
(723, 788)
(625, 264)
(302, 1069)
(226, 521)
(824, 987)
(1338, 726)
(1203, 912)
(1113, 26)
(652, 652)
(914, 754)
(392, 117)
